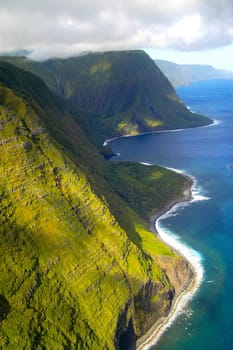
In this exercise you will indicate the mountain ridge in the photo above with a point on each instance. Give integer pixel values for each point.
(78, 264)
(183, 74)
(123, 92)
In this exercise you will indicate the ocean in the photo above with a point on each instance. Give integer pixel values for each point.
(206, 224)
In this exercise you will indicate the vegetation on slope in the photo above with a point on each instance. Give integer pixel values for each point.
(150, 189)
(123, 92)
(77, 261)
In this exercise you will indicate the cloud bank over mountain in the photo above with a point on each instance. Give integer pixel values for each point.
(66, 27)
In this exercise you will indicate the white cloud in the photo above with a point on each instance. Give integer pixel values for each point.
(188, 29)
(64, 27)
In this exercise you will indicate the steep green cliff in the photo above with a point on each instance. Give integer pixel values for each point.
(124, 92)
(78, 266)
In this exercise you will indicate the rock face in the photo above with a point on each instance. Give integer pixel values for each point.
(152, 303)
(178, 272)
(79, 269)
(123, 92)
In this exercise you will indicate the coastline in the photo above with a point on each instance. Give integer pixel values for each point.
(191, 194)
(212, 123)
(195, 276)
(187, 197)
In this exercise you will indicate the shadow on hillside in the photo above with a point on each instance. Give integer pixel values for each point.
(4, 308)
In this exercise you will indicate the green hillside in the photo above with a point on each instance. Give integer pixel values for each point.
(124, 92)
(79, 268)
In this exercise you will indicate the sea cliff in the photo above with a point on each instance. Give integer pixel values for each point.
(153, 306)
(185, 274)
(79, 267)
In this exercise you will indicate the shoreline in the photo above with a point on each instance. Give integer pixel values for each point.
(187, 197)
(154, 334)
(213, 123)
(190, 194)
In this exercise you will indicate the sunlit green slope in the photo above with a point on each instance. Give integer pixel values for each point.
(77, 261)
(123, 91)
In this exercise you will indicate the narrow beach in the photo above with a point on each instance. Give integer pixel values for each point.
(196, 275)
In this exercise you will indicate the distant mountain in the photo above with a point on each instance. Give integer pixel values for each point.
(79, 268)
(123, 92)
(182, 74)
(17, 53)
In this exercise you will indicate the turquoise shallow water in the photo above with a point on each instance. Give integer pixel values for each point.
(206, 226)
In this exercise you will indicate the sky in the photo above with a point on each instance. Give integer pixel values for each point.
(182, 31)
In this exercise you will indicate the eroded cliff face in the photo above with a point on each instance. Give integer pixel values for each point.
(74, 275)
(124, 92)
(178, 271)
(153, 302)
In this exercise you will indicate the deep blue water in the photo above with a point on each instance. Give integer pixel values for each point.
(207, 226)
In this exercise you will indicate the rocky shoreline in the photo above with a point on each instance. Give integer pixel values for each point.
(183, 277)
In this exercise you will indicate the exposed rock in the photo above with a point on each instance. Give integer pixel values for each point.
(27, 146)
(152, 302)
(178, 272)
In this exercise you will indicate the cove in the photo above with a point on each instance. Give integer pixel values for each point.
(205, 225)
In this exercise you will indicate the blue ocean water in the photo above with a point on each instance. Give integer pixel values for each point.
(206, 226)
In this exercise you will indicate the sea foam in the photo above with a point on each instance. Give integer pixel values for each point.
(192, 256)
(145, 163)
(195, 260)
(197, 191)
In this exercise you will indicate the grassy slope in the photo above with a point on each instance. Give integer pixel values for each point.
(72, 253)
(124, 92)
(151, 187)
